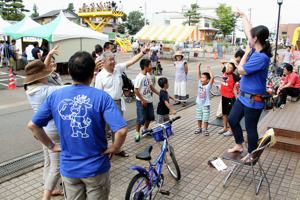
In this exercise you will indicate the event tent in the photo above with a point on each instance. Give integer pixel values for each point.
(173, 33)
(3, 24)
(16, 30)
(61, 29)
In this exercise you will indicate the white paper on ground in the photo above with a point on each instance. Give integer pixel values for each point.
(219, 164)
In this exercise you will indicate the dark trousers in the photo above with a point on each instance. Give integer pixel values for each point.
(293, 92)
(251, 120)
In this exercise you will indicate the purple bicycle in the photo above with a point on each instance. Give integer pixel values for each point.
(149, 181)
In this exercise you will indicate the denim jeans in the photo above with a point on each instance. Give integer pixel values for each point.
(144, 114)
(251, 120)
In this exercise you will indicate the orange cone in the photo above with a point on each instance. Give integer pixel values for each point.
(215, 56)
(11, 85)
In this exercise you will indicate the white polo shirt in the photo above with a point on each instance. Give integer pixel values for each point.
(111, 83)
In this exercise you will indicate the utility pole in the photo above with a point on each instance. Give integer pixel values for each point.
(145, 13)
(250, 12)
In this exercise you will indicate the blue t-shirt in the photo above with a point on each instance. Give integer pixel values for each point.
(80, 113)
(254, 82)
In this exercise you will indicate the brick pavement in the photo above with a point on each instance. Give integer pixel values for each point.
(199, 181)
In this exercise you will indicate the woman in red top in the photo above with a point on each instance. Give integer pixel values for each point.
(290, 85)
(229, 80)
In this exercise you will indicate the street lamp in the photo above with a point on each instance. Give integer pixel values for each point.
(278, 21)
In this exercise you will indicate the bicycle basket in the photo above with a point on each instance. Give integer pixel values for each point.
(158, 133)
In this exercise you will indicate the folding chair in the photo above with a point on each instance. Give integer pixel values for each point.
(266, 141)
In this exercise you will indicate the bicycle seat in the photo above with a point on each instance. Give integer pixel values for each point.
(145, 154)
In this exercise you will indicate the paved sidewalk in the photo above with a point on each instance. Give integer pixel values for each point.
(199, 181)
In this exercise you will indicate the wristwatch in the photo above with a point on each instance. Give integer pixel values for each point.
(51, 145)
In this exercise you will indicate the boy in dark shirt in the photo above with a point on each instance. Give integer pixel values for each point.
(164, 107)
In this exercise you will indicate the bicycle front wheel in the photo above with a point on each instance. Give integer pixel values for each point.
(172, 164)
(139, 188)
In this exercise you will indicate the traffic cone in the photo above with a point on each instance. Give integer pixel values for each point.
(11, 84)
(215, 55)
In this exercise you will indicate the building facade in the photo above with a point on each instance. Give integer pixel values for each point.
(49, 16)
(287, 30)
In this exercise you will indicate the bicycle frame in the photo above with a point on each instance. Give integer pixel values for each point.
(155, 169)
(153, 176)
(158, 164)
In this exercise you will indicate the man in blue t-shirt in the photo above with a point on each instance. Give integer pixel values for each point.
(80, 114)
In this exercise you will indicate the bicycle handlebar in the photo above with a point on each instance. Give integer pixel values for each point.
(170, 122)
(173, 120)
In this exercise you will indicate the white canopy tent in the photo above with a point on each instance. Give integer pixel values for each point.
(61, 29)
(16, 30)
(172, 33)
(69, 36)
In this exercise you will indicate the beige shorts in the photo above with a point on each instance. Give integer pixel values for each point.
(91, 188)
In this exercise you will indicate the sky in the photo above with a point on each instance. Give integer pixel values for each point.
(263, 12)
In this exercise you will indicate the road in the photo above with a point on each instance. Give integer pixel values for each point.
(15, 112)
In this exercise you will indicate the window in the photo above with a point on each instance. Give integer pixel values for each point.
(206, 25)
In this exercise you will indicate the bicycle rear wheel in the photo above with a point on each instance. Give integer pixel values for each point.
(139, 188)
(172, 164)
(215, 88)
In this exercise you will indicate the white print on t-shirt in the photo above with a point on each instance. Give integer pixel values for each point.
(146, 87)
(202, 93)
(224, 82)
(75, 111)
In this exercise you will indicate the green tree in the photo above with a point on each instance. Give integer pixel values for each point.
(71, 7)
(121, 25)
(192, 15)
(35, 11)
(12, 9)
(121, 28)
(226, 19)
(135, 21)
(124, 17)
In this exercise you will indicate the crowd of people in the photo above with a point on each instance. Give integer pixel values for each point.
(102, 6)
(74, 122)
(8, 54)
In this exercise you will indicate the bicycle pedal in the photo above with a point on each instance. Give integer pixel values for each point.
(164, 192)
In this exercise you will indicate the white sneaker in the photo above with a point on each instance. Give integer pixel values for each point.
(137, 137)
(198, 131)
(143, 132)
(206, 133)
(221, 131)
(228, 133)
(282, 106)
